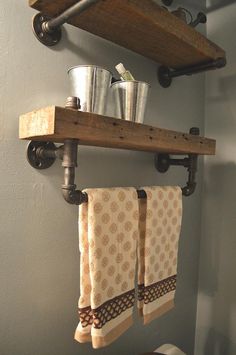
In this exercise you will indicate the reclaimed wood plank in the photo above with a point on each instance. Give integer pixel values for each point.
(57, 124)
(142, 26)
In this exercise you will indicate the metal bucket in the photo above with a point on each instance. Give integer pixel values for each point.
(90, 84)
(130, 100)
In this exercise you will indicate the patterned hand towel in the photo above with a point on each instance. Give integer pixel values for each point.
(159, 225)
(108, 233)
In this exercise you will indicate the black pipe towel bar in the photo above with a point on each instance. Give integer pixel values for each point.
(41, 155)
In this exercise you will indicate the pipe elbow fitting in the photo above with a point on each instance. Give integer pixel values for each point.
(73, 196)
(189, 189)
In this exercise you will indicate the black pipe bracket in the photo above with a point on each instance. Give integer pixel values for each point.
(36, 154)
(48, 30)
(46, 37)
(166, 75)
(164, 161)
(42, 155)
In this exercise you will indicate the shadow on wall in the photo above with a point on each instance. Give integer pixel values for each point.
(218, 257)
(223, 88)
(218, 4)
(218, 344)
(74, 47)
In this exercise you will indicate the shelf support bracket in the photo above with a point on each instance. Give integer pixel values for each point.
(48, 30)
(166, 75)
(42, 155)
(164, 161)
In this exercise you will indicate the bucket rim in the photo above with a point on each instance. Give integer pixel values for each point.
(133, 81)
(89, 66)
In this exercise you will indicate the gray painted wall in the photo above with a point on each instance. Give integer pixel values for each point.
(39, 257)
(216, 316)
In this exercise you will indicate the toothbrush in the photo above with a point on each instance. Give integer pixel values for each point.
(124, 74)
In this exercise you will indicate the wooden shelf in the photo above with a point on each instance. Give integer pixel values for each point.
(142, 26)
(57, 124)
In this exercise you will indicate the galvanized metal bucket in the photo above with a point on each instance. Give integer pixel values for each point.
(90, 84)
(130, 99)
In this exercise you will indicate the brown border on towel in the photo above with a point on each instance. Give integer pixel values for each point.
(156, 290)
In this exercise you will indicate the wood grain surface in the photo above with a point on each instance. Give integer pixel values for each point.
(142, 26)
(57, 124)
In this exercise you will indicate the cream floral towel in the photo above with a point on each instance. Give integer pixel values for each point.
(159, 223)
(108, 233)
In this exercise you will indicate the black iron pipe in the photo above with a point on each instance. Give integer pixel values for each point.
(69, 162)
(84, 196)
(189, 189)
(165, 74)
(179, 162)
(70, 194)
(50, 153)
(218, 63)
(68, 154)
(73, 196)
(69, 176)
(72, 11)
(201, 18)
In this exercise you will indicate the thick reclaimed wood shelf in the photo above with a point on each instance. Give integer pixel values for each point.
(142, 26)
(57, 124)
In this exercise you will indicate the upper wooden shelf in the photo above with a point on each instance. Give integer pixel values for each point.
(142, 26)
(57, 124)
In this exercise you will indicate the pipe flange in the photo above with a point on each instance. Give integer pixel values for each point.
(162, 162)
(164, 76)
(48, 38)
(35, 154)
